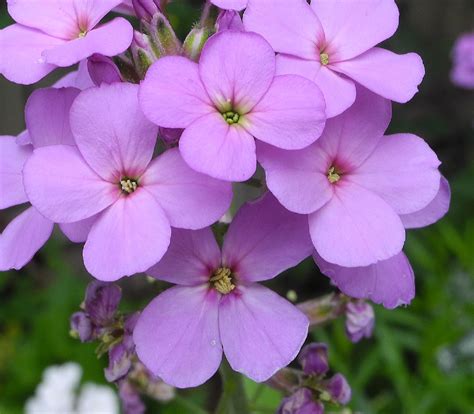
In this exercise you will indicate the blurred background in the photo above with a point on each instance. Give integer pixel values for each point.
(421, 358)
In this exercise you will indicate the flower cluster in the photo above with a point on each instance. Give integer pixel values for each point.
(137, 152)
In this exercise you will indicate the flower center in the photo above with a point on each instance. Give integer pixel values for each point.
(333, 175)
(82, 33)
(222, 280)
(324, 58)
(231, 117)
(128, 185)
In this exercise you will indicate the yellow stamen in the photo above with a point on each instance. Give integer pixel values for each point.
(324, 58)
(222, 280)
(333, 175)
(128, 186)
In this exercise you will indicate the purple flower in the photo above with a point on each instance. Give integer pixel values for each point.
(229, 20)
(313, 358)
(217, 306)
(355, 184)
(110, 180)
(301, 402)
(81, 326)
(462, 74)
(229, 98)
(231, 4)
(49, 34)
(360, 320)
(101, 302)
(333, 44)
(339, 389)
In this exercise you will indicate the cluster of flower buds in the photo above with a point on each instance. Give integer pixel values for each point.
(308, 390)
(100, 321)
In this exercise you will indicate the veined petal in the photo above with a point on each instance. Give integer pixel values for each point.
(78, 231)
(260, 331)
(177, 336)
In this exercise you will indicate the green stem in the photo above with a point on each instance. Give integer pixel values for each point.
(233, 399)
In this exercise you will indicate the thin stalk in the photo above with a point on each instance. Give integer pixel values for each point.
(233, 399)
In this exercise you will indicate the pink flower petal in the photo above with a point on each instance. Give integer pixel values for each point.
(190, 200)
(356, 228)
(433, 212)
(353, 27)
(23, 138)
(290, 27)
(77, 232)
(63, 188)
(172, 94)
(291, 115)
(177, 336)
(60, 18)
(264, 239)
(79, 78)
(390, 282)
(113, 135)
(395, 77)
(109, 39)
(129, 237)
(231, 4)
(349, 139)
(237, 68)
(339, 92)
(22, 238)
(213, 147)
(403, 171)
(260, 331)
(12, 160)
(191, 259)
(298, 179)
(47, 116)
(20, 54)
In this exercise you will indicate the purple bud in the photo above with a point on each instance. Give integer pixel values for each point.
(314, 359)
(229, 20)
(146, 9)
(301, 402)
(81, 326)
(131, 401)
(170, 136)
(360, 320)
(120, 362)
(339, 389)
(101, 303)
(102, 69)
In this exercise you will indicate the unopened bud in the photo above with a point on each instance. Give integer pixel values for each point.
(360, 320)
(81, 327)
(170, 136)
(101, 302)
(195, 40)
(102, 69)
(146, 9)
(229, 20)
(339, 389)
(301, 402)
(313, 359)
(163, 39)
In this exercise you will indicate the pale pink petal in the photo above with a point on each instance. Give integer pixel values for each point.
(351, 137)
(356, 228)
(21, 50)
(231, 4)
(177, 336)
(111, 132)
(290, 27)
(390, 282)
(298, 179)
(260, 331)
(79, 78)
(353, 27)
(12, 160)
(403, 171)
(172, 94)
(109, 39)
(339, 92)
(236, 77)
(433, 212)
(47, 116)
(265, 239)
(77, 232)
(60, 18)
(22, 238)
(291, 115)
(395, 77)
(190, 199)
(191, 259)
(213, 147)
(129, 237)
(63, 188)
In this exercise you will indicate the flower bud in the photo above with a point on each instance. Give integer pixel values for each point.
(146, 9)
(81, 326)
(101, 303)
(229, 20)
(194, 42)
(360, 320)
(131, 401)
(301, 402)
(170, 136)
(163, 39)
(102, 69)
(339, 389)
(142, 53)
(314, 359)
